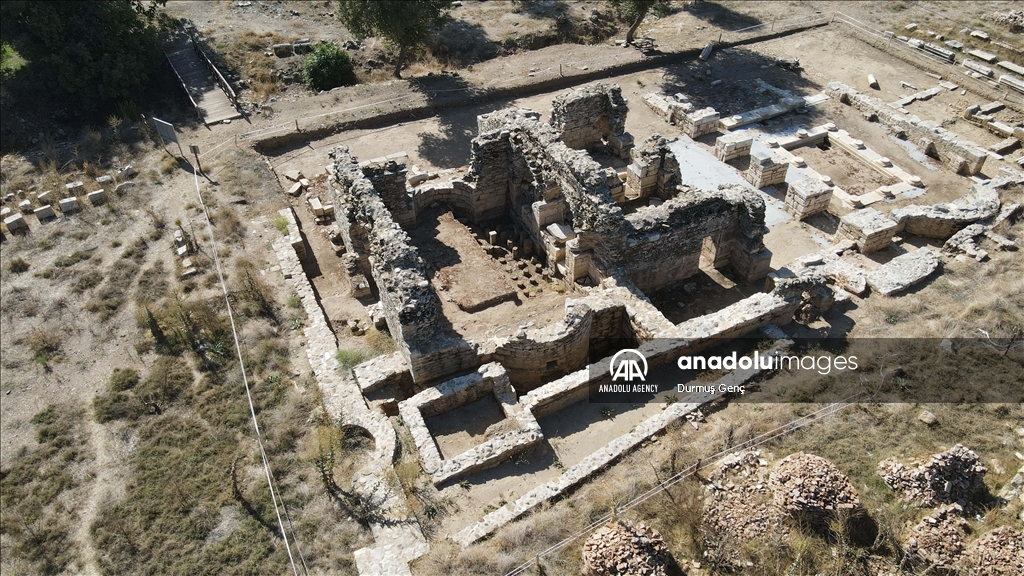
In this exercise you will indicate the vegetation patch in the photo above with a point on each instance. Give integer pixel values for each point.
(36, 521)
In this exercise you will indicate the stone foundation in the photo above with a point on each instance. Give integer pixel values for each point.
(807, 197)
(868, 228)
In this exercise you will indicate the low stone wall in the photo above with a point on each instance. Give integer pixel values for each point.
(944, 220)
(597, 461)
(958, 154)
(398, 539)
(489, 379)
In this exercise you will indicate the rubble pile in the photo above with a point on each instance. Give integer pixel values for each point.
(623, 549)
(738, 508)
(938, 539)
(1013, 19)
(811, 489)
(999, 552)
(950, 477)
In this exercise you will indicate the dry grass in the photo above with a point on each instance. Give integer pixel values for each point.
(247, 56)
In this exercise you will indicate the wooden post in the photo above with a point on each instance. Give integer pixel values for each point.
(195, 151)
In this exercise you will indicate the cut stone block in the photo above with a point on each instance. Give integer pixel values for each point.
(126, 172)
(68, 205)
(296, 189)
(25, 206)
(75, 187)
(44, 197)
(293, 175)
(869, 228)
(15, 223)
(97, 197)
(105, 180)
(903, 271)
(44, 212)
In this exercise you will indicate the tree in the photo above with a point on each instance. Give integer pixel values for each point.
(328, 67)
(632, 11)
(403, 23)
(96, 52)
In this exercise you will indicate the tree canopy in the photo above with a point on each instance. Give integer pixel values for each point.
(403, 23)
(93, 53)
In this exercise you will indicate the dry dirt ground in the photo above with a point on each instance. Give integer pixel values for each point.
(70, 258)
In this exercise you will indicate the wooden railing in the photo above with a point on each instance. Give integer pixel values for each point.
(185, 87)
(221, 81)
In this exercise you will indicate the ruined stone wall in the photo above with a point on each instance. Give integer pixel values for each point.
(586, 116)
(665, 242)
(411, 307)
(387, 175)
(549, 352)
(523, 161)
(944, 220)
(958, 154)
(654, 170)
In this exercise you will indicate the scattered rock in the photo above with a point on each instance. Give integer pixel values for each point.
(928, 418)
(999, 552)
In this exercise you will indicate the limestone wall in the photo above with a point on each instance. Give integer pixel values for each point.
(586, 116)
(958, 154)
(674, 232)
(410, 305)
(654, 170)
(944, 220)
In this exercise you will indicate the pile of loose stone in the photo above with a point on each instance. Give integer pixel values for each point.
(738, 508)
(811, 490)
(997, 553)
(938, 539)
(1013, 19)
(950, 477)
(620, 548)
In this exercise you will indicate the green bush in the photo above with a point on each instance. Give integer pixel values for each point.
(328, 66)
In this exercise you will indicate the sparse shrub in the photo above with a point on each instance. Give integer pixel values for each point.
(294, 301)
(167, 163)
(328, 66)
(122, 379)
(348, 359)
(281, 223)
(44, 344)
(17, 265)
(88, 280)
(68, 261)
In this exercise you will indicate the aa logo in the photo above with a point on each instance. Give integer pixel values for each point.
(628, 365)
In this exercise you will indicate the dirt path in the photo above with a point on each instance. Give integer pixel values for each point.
(104, 481)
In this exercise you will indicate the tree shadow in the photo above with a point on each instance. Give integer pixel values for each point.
(459, 44)
(726, 82)
(447, 147)
(722, 16)
(541, 9)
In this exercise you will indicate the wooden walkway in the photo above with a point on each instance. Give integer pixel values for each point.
(201, 82)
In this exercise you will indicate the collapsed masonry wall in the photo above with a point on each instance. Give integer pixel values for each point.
(944, 220)
(958, 154)
(589, 115)
(520, 162)
(675, 231)
(654, 170)
(411, 307)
